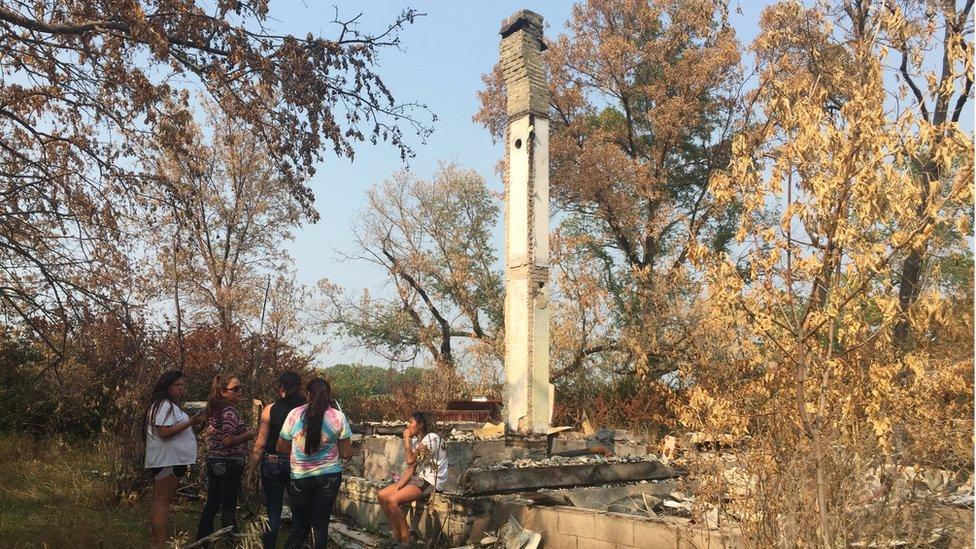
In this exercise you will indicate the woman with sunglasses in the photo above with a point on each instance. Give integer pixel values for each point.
(226, 451)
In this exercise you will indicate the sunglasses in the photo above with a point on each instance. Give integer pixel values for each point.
(235, 389)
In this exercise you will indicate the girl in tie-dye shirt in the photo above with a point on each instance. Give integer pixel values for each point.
(316, 436)
(335, 428)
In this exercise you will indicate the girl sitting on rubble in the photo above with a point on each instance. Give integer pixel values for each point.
(426, 473)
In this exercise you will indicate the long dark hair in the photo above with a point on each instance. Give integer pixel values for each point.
(157, 396)
(319, 400)
(425, 421)
(216, 401)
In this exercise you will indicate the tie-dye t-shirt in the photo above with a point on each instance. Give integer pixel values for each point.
(335, 427)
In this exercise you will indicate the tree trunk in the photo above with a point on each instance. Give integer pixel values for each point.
(907, 294)
(811, 427)
(224, 316)
(176, 294)
(257, 345)
(911, 272)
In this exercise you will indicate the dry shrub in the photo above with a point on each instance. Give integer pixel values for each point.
(851, 341)
(206, 355)
(886, 426)
(429, 391)
(768, 485)
(371, 393)
(629, 403)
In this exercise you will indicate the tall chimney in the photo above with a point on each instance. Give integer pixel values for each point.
(528, 393)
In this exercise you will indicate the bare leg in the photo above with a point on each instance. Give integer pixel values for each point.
(385, 495)
(163, 491)
(407, 494)
(397, 521)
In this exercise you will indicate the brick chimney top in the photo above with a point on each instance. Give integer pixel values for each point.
(522, 19)
(522, 67)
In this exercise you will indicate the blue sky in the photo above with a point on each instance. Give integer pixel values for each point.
(442, 59)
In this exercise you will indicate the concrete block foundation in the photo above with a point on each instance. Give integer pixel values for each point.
(383, 456)
(451, 520)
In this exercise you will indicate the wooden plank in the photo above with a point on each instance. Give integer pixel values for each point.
(515, 479)
(219, 534)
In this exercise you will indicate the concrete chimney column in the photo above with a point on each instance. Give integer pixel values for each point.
(528, 393)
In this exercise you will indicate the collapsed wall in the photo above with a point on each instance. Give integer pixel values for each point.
(450, 520)
(584, 501)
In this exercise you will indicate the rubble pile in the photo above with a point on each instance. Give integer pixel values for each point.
(562, 460)
(612, 473)
(953, 489)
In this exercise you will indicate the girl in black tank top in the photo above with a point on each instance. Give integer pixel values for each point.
(279, 411)
(274, 467)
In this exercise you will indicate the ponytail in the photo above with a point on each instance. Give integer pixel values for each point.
(216, 401)
(319, 400)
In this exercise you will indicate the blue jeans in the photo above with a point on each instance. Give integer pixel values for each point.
(312, 499)
(223, 485)
(274, 478)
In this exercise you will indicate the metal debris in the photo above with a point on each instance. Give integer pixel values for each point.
(513, 536)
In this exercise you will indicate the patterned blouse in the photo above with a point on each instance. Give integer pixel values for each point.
(227, 423)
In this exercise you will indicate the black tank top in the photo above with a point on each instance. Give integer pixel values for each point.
(279, 411)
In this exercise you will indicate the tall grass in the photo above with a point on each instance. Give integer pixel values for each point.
(58, 493)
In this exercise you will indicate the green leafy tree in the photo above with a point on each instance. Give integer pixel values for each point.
(432, 239)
